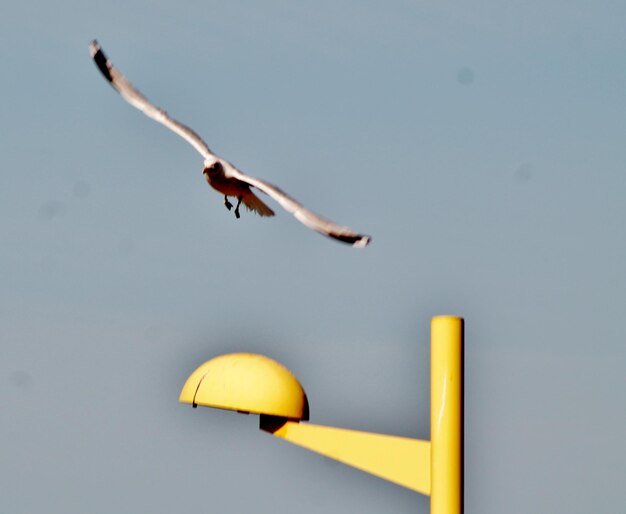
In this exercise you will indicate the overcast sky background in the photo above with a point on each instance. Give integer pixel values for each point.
(482, 146)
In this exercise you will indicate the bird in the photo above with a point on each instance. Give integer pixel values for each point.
(220, 174)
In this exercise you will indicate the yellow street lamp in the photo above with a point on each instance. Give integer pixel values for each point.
(252, 383)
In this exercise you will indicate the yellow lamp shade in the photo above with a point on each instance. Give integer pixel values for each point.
(246, 382)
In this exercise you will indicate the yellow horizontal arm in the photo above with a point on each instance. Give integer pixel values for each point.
(401, 460)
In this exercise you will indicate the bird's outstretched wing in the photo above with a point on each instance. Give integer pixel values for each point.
(134, 97)
(304, 215)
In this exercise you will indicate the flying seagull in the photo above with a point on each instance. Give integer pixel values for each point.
(219, 173)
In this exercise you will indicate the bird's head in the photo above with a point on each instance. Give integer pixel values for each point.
(212, 168)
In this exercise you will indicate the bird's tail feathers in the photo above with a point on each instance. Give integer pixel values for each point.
(254, 203)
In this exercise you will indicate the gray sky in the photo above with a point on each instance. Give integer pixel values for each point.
(480, 144)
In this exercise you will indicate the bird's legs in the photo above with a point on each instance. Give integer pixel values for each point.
(229, 205)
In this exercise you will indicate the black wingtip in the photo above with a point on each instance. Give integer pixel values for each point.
(100, 59)
(358, 241)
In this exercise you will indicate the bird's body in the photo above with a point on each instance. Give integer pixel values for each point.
(219, 173)
(230, 186)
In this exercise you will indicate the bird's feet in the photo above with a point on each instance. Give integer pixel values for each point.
(227, 204)
(239, 198)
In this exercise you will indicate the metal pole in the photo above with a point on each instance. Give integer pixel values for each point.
(446, 415)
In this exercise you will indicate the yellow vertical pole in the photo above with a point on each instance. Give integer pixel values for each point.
(446, 415)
